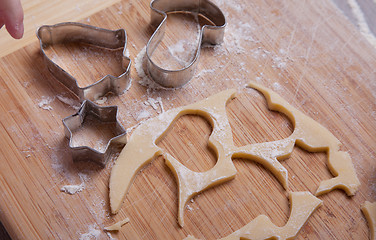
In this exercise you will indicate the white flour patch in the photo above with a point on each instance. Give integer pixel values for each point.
(205, 71)
(183, 52)
(154, 103)
(277, 87)
(145, 80)
(44, 103)
(139, 65)
(143, 114)
(93, 233)
(97, 209)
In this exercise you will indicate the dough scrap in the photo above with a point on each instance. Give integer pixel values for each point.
(369, 211)
(313, 137)
(117, 226)
(303, 204)
(308, 134)
(141, 149)
(73, 189)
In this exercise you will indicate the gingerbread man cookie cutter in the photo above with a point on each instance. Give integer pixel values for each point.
(211, 34)
(105, 114)
(77, 32)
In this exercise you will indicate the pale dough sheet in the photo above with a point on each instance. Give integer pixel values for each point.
(308, 134)
(369, 211)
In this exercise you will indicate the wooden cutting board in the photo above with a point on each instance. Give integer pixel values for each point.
(304, 50)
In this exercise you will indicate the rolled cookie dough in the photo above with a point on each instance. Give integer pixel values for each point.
(303, 204)
(308, 134)
(369, 211)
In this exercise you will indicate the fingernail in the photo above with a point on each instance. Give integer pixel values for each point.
(19, 31)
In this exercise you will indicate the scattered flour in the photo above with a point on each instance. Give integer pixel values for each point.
(44, 103)
(153, 103)
(139, 65)
(240, 32)
(277, 86)
(278, 62)
(179, 52)
(203, 72)
(98, 209)
(143, 114)
(68, 101)
(127, 54)
(92, 234)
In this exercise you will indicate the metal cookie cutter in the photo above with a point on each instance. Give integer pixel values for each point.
(104, 114)
(208, 34)
(78, 32)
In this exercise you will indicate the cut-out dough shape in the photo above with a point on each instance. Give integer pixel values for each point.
(303, 204)
(308, 134)
(311, 136)
(141, 149)
(117, 226)
(369, 211)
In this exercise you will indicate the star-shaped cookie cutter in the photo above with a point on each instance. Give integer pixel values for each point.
(105, 114)
(211, 34)
(77, 32)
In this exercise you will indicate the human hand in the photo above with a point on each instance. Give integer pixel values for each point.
(11, 15)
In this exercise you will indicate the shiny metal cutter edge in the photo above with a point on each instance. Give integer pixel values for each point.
(77, 32)
(106, 114)
(208, 34)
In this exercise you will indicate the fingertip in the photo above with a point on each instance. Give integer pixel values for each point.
(19, 31)
(16, 30)
(13, 18)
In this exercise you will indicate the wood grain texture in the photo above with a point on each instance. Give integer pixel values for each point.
(40, 12)
(304, 50)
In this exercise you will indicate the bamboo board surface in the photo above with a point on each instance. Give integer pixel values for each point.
(304, 50)
(37, 13)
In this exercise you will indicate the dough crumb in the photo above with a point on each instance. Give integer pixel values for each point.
(101, 100)
(117, 226)
(72, 189)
